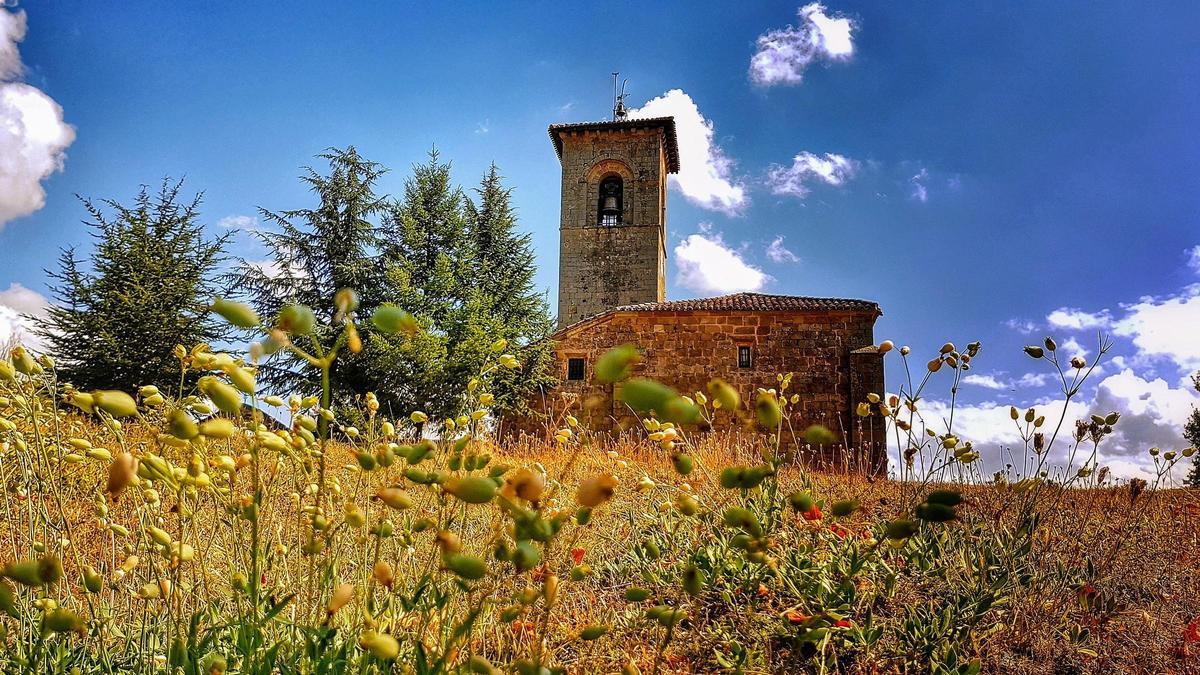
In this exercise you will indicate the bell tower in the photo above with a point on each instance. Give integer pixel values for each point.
(612, 229)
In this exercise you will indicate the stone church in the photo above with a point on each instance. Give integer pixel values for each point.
(612, 291)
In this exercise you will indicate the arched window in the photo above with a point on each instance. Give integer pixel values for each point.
(611, 204)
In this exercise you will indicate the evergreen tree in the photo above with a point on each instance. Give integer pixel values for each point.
(1191, 431)
(152, 274)
(504, 269)
(314, 253)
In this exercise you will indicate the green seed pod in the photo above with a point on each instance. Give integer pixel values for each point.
(801, 501)
(466, 566)
(683, 463)
(181, 425)
(901, 529)
(947, 497)
(1034, 351)
(731, 477)
(365, 460)
(7, 372)
(651, 550)
(766, 406)
(644, 395)
(381, 645)
(593, 632)
(1050, 344)
(237, 313)
(744, 519)
(753, 476)
(669, 616)
(419, 476)
(583, 516)
(218, 427)
(390, 319)
(687, 504)
(8, 599)
(61, 620)
(420, 451)
(936, 513)
(819, 434)
(472, 489)
(297, 320)
(843, 508)
(23, 362)
(635, 594)
(242, 379)
(115, 403)
(395, 498)
(693, 580)
(525, 556)
(226, 398)
(724, 394)
(213, 663)
(615, 364)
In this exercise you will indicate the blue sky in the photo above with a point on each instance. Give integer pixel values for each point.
(983, 172)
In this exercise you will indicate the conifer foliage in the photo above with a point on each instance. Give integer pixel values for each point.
(144, 289)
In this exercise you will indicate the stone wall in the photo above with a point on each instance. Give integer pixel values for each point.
(687, 349)
(605, 267)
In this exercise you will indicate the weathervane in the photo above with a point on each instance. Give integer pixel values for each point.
(619, 111)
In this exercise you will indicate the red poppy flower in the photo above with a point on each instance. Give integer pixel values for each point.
(577, 555)
(840, 531)
(1191, 633)
(763, 591)
(813, 513)
(795, 617)
(842, 623)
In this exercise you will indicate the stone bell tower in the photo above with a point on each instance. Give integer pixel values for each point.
(612, 233)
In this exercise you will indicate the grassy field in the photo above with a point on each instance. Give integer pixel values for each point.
(175, 533)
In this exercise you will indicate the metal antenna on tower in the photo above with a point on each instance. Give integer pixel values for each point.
(619, 111)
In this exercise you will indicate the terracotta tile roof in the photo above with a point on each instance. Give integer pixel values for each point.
(756, 302)
(667, 124)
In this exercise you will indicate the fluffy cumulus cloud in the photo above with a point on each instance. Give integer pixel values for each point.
(779, 253)
(33, 135)
(238, 222)
(1165, 328)
(19, 308)
(781, 56)
(705, 175)
(1076, 319)
(999, 382)
(707, 265)
(806, 168)
(1193, 258)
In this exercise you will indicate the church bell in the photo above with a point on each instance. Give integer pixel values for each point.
(610, 206)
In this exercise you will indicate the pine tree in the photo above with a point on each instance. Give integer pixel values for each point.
(150, 279)
(504, 266)
(314, 253)
(1191, 431)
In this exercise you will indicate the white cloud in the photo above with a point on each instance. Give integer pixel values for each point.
(238, 222)
(995, 382)
(1165, 328)
(1193, 258)
(1076, 319)
(919, 191)
(483, 127)
(15, 303)
(33, 135)
(1021, 325)
(707, 265)
(779, 253)
(272, 269)
(1071, 347)
(1153, 413)
(705, 172)
(985, 381)
(782, 55)
(831, 169)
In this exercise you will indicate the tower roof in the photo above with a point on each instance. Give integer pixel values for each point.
(667, 124)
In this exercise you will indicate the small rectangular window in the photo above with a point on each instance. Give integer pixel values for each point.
(575, 369)
(744, 360)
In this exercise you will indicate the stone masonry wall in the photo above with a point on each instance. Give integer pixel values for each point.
(605, 267)
(687, 349)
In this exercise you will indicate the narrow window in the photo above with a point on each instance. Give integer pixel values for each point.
(575, 369)
(611, 201)
(744, 356)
